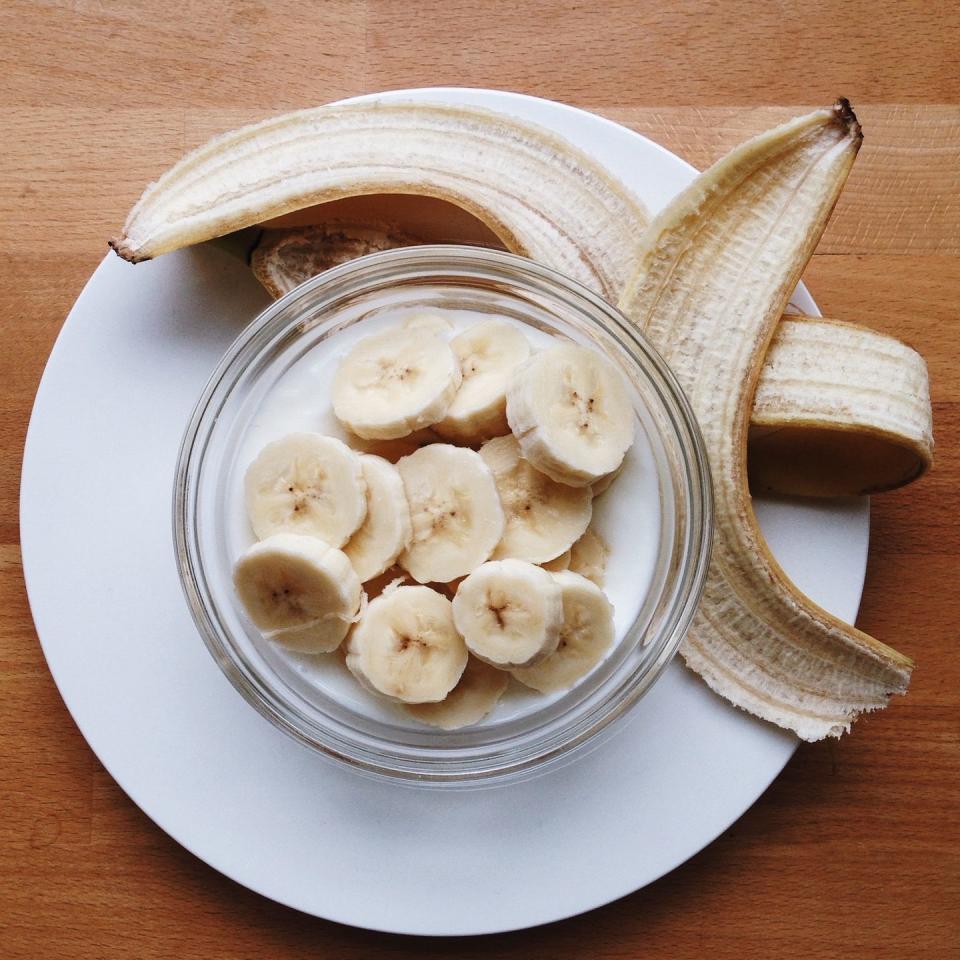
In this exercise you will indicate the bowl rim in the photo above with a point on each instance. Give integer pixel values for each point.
(447, 261)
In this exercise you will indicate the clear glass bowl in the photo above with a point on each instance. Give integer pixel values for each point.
(542, 730)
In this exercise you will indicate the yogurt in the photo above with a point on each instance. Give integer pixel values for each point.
(627, 515)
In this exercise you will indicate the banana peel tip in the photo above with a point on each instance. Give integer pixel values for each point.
(846, 115)
(122, 250)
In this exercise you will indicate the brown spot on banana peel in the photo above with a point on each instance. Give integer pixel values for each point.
(717, 268)
(846, 116)
(122, 249)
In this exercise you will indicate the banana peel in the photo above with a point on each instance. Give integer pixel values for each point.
(335, 182)
(716, 271)
(538, 195)
(840, 410)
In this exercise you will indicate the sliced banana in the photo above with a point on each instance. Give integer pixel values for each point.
(386, 531)
(570, 411)
(477, 693)
(393, 383)
(558, 563)
(509, 612)
(543, 517)
(407, 647)
(588, 557)
(489, 353)
(292, 582)
(306, 483)
(455, 509)
(586, 634)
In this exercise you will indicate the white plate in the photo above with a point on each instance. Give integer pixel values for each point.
(98, 557)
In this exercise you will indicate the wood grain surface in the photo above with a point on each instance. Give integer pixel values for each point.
(855, 849)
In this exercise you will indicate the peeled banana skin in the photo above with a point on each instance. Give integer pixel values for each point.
(542, 197)
(538, 194)
(840, 410)
(716, 271)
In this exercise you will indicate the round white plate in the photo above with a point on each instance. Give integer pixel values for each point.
(98, 556)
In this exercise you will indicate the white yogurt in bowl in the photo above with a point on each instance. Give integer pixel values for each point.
(626, 516)
(276, 379)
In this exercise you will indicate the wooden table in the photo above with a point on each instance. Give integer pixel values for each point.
(855, 849)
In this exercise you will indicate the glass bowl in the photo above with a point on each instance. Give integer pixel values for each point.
(657, 515)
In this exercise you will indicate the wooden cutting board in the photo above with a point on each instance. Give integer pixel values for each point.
(855, 849)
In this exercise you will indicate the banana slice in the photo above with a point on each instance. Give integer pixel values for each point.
(569, 409)
(395, 382)
(543, 517)
(386, 532)
(586, 635)
(477, 693)
(407, 647)
(489, 353)
(558, 563)
(306, 483)
(509, 612)
(455, 509)
(717, 270)
(293, 582)
(588, 557)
